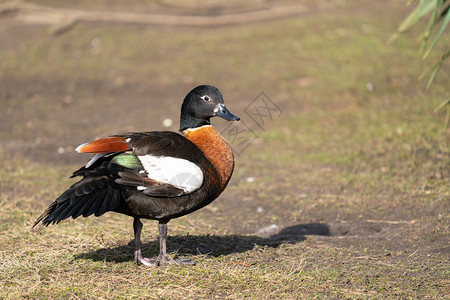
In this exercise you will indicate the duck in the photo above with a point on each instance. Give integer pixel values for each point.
(155, 175)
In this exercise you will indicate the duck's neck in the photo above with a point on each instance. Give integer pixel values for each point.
(188, 121)
(215, 148)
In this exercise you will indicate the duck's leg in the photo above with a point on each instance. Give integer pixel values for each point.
(138, 258)
(162, 257)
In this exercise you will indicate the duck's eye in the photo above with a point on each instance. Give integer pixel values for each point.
(206, 98)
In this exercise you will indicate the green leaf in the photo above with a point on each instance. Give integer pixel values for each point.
(437, 67)
(424, 7)
(438, 35)
(431, 23)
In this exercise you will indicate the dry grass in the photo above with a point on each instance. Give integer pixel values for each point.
(354, 180)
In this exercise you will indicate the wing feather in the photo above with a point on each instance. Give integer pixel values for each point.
(105, 145)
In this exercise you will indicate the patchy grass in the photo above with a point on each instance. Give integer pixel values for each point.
(345, 195)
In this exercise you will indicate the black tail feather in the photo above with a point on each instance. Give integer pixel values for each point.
(45, 214)
(115, 198)
(99, 198)
(64, 214)
(89, 201)
(86, 197)
(75, 208)
(55, 215)
(104, 207)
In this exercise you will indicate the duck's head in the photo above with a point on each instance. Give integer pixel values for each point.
(201, 104)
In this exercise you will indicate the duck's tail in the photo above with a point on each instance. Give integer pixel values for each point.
(94, 194)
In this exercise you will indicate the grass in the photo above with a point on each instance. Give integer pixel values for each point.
(357, 152)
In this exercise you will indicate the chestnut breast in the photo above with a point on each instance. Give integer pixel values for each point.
(215, 148)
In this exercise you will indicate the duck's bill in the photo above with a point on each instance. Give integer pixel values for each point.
(223, 112)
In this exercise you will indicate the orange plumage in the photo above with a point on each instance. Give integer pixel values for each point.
(105, 145)
(215, 148)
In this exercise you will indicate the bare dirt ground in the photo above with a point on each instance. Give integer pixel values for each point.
(349, 185)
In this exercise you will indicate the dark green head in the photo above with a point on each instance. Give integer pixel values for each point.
(201, 104)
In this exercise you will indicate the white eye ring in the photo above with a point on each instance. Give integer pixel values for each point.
(206, 98)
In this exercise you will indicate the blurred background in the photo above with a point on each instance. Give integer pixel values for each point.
(93, 69)
(336, 127)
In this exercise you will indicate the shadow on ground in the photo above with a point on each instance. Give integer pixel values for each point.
(211, 245)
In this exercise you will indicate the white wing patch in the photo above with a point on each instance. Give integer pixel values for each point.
(178, 172)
